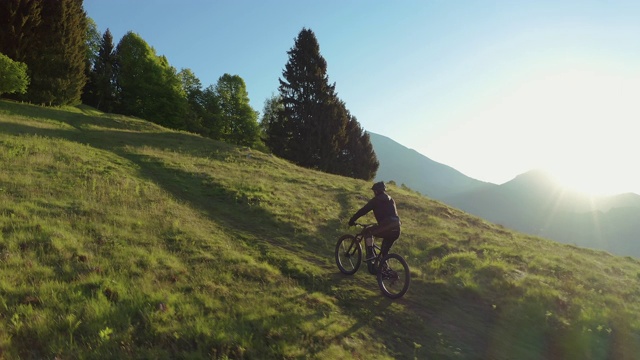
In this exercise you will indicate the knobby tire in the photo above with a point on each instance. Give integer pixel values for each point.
(394, 276)
(348, 254)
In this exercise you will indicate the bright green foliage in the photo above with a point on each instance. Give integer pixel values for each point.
(13, 76)
(19, 22)
(192, 88)
(93, 43)
(122, 239)
(313, 129)
(149, 87)
(238, 122)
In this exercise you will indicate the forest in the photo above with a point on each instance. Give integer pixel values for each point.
(52, 54)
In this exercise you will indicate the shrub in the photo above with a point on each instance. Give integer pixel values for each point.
(13, 76)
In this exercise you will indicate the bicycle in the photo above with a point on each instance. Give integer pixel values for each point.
(392, 271)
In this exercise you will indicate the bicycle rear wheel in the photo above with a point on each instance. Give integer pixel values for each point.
(394, 276)
(348, 254)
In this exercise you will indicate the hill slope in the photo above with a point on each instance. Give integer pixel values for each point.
(121, 239)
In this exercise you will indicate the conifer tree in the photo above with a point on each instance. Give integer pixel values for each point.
(307, 96)
(19, 21)
(100, 90)
(358, 157)
(273, 126)
(312, 128)
(57, 54)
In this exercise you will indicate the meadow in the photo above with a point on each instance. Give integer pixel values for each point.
(123, 239)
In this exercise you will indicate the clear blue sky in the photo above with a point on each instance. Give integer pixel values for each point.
(491, 88)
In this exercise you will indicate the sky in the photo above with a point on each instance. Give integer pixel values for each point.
(491, 88)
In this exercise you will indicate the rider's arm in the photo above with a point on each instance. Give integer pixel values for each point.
(363, 211)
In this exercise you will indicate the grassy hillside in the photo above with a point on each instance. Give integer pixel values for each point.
(121, 239)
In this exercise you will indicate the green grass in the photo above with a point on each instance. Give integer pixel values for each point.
(122, 239)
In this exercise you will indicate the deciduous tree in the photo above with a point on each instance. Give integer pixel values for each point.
(148, 86)
(238, 122)
(13, 76)
(192, 88)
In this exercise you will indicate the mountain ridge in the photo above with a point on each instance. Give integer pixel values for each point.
(533, 202)
(436, 179)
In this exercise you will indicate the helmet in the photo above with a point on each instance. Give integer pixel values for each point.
(379, 186)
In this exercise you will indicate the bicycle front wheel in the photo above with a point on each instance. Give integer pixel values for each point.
(394, 276)
(348, 254)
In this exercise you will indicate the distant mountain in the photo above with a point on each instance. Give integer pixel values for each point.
(533, 202)
(409, 167)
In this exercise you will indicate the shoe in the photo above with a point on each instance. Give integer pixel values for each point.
(373, 270)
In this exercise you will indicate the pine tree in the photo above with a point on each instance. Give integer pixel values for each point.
(314, 128)
(308, 101)
(358, 158)
(100, 90)
(19, 21)
(273, 125)
(57, 54)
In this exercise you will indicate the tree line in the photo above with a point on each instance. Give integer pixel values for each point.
(52, 54)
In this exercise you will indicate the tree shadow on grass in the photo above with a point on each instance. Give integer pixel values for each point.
(256, 227)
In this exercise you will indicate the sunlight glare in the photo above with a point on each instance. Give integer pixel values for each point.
(587, 129)
(577, 124)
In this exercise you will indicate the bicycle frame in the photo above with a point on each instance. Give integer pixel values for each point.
(393, 280)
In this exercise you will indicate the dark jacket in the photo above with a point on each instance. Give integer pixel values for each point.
(384, 209)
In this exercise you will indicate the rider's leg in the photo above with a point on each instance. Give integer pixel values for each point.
(368, 240)
(369, 243)
(388, 240)
(385, 247)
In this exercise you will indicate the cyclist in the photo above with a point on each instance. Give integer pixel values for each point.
(386, 214)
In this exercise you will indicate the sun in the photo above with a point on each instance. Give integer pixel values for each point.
(580, 126)
(587, 129)
(576, 122)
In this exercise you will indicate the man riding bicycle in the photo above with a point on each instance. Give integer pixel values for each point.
(386, 214)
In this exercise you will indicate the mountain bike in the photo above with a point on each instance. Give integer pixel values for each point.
(392, 271)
